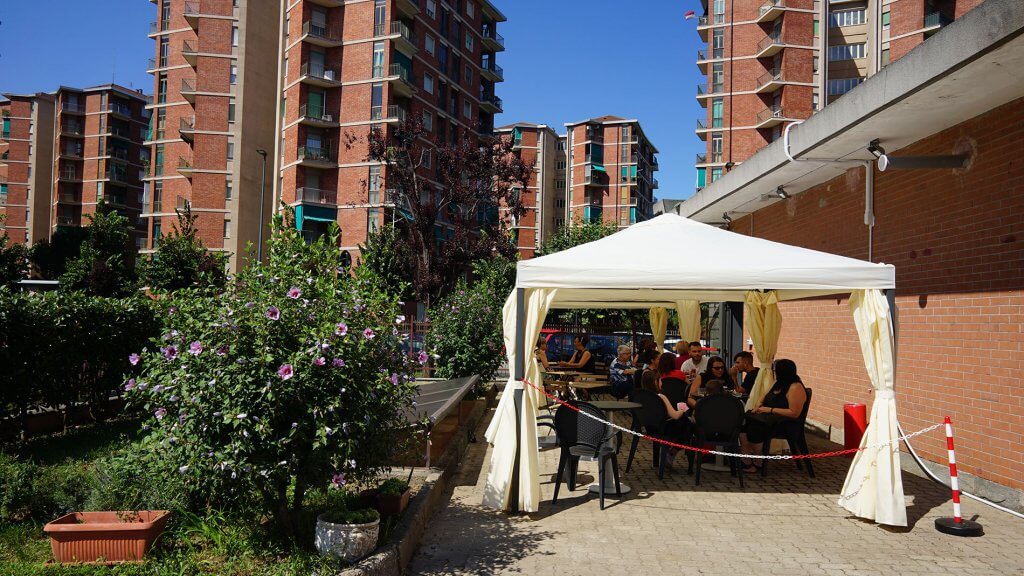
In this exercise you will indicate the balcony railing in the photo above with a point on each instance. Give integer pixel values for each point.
(491, 98)
(122, 109)
(769, 113)
(936, 18)
(316, 70)
(117, 176)
(492, 34)
(72, 107)
(702, 158)
(377, 113)
(315, 112)
(69, 174)
(316, 154)
(767, 6)
(400, 28)
(330, 33)
(774, 39)
(702, 21)
(701, 125)
(702, 55)
(401, 71)
(159, 25)
(769, 76)
(317, 195)
(75, 152)
(187, 87)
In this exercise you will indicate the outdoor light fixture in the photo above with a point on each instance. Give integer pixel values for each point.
(875, 147)
(781, 193)
(729, 165)
(726, 217)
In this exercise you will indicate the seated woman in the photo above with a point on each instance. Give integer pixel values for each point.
(783, 402)
(716, 371)
(542, 354)
(673, 381)
(678, 425)
(582, 359)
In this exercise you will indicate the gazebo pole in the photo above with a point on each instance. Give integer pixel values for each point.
(519, 372)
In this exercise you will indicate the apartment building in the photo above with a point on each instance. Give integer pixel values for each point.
(99, 154)
(26, 165)
(610, 171)
(545, 195)
(772, 62)
(353, 67)
(213, 114)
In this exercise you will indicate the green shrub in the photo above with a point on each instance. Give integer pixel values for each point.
(42, 493)
(393, 487)
(135, 478)
(360, 516)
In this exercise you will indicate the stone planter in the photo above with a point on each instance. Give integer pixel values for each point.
(392, 505)
(90, 537)
(349, 542)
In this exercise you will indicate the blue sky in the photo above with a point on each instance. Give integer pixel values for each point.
(566, 60)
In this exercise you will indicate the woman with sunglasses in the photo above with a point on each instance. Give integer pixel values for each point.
(717, 370)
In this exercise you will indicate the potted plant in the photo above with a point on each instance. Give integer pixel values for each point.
(393, 496)
(105, 536)
(347, 534)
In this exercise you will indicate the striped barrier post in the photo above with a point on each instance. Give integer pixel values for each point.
(956, 525)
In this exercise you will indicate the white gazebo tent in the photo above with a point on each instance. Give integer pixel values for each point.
(641, 267)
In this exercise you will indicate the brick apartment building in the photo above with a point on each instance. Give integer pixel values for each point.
(62, 153)
(301, 87)
(545, 195)
(954, 236)
(770, 62)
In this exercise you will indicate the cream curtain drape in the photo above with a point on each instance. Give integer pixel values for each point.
(501, 432)
(659, 325)
(874, 483)
(689, 320)
(764, 322)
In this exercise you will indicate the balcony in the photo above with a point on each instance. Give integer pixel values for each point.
(492, 39)
(73, 152)
(770, 81)
(770, 117)
(328, 3)
(317, 157)
(119, 176)
(702, 129)
(409, 8)
(189, 53)
(188, 91)
(770, 46)
(122, 110)
(316, 74)
(702, 61)
(316, 115)
(401, 80)
(68, 174)
(185, 167)
(159, 26)
(72, 108)
(934, 21)
(317, 196)
(394, 113)
(490, 103)
(67, 221)
(187, 129)
(404, 38)
(69, 198)
(321, 35)
(702, 159)
(492, 71)
(192, 13)
(704, 92)
(118, 154)
(119, 132)
(151, 66)
(72, 129)
(770, 10)
(654, 183)
(703, 25)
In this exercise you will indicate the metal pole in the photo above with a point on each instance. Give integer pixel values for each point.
(519, 372)
(263, 185)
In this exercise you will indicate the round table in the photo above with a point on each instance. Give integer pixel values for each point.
(609, 476)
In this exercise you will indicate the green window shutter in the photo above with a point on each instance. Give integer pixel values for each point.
(702, 177)
(816, 26)
(886, 18)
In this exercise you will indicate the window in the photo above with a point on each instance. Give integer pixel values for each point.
(432, 8)
(165, 47)
(161, 90)
(428, 121)
(372, 220)
(814, 64)
(373, 185)
(716, 147)
(428, 83)
(378, 14)
(717, 109)
(561, 145)
(718, 43)
(847, 18)
(234, 74)
(467, 109)
(468, 79)
(716, 173)
(817, 27)
(719, 10)
(469, 41)
(846, 52)
(428, 44)
(234, 35)
(842, 85)
(559, 164)
(231, 150)
(815, 100)
(156, 235)
(886, 19)
(717, 77)
(231, 112)
(426, 158)
(560, 185)
(228, 190)
(378, 59)
(470, 9)
(227, 228)
(885, 57)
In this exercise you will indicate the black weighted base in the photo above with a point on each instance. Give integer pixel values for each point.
(962, 528)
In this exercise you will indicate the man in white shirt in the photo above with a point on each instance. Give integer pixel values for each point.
(696, 364)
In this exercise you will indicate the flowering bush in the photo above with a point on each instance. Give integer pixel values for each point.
(289, 380)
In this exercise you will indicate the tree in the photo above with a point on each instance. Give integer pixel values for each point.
(382, 254)
(13, 259)
(183, 261)
(50, 257)
(105, 266)
(579, 232)
(453, 216)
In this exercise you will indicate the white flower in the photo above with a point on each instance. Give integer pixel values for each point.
(242, 416)
(183, 469)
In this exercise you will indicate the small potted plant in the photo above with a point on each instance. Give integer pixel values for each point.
(347, 534)
(393, 496)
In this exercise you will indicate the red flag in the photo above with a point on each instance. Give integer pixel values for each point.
(690, 15)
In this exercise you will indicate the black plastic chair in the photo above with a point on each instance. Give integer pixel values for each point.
(655, 423)
(675, 390)
(719, 420)
(579, 436)
(793, 432)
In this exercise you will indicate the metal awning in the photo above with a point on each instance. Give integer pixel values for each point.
(437, 399)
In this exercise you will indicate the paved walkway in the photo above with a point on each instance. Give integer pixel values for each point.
(786, 523)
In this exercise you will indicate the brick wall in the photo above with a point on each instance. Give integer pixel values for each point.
(955, 238)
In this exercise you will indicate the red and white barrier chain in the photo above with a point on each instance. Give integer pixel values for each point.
(894, 441)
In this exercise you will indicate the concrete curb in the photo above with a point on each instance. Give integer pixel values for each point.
(393, 558)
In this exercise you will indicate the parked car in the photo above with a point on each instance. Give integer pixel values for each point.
(604, 348)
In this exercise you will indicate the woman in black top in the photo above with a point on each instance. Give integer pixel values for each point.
(784, 401)
(717, 370)
(582, 359)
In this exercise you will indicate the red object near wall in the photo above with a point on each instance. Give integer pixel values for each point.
(855, 421)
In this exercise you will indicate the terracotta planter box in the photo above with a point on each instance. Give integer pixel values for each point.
(78, 415)
(105, 536)
(393, 505)
(368, 497)
(41, 423)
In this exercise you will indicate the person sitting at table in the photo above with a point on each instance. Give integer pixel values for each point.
(646, 352)
(542, 354)
(743, 371)
(678, 425)
(696, 363)
(716, 371)
(783, 402)
(672, 381)
(620, 373)
(582, 359)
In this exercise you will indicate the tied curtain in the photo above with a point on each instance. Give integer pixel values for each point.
(659, 326)
(689, 320)
(501, 433)
(764, 322)
(874, 483)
